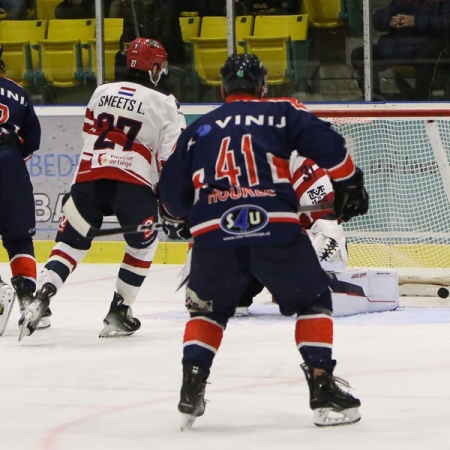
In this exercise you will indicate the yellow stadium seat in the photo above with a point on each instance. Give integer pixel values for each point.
(112, 30)
(210, 49)
(323, 13)
(190, 27)
(188, 13)
(63, 62)
(45, 9)
(282, 46)
(16, 38)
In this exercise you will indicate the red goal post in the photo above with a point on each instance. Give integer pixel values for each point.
(404, 151)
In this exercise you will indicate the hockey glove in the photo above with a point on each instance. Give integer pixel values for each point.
(176, 229)
(350, 197)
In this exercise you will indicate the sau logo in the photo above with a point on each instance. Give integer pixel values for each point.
(243, 219)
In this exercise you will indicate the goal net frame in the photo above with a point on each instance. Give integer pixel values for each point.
(404, 152)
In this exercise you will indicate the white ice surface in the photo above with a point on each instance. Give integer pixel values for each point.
(66, 389)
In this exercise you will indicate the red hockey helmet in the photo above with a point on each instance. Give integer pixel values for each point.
(144, 54)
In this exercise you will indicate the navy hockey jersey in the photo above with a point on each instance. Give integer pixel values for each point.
(17, 116)
(229, 173)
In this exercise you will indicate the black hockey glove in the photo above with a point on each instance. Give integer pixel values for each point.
(176, 229)
(350, 197)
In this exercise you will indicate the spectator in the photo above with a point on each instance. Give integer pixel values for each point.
(246, 7)
(14, 9)
(157, 19)
(75, 9)
(117, 8)
(417, 35)
(256, 7)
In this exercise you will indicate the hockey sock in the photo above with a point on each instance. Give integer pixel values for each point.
(314, 339)
(202, 338)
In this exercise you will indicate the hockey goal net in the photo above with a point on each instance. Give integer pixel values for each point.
(405, 155)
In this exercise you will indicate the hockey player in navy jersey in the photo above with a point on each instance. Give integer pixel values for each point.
(20, 137)
(130, 129)
(235, 196)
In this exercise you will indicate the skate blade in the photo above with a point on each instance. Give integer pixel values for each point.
(241, 311)
(24, 330)
(6, 306)
(326, 417)
(187, 420)
(43, 323)
(109, 331)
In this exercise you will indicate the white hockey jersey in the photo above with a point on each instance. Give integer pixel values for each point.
(129, 131)
(312, 186)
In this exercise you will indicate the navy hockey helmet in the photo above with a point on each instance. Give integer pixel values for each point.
(243, 72)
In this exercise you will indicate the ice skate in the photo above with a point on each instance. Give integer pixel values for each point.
(192, 396)
(242, 311)
(7, 297)
(25, 297)
(119, 321)
(331, 405)
(34, 312)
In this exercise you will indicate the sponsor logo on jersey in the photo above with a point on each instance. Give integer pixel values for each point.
(102, 159)
(317, 194)
(129, 92)
(243, 219)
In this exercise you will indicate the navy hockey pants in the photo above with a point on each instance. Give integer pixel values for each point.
(290, 271)
(17, 209)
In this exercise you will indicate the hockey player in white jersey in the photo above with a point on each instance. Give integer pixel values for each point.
(129, 131)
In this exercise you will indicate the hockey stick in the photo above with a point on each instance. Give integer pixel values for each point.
(316, 208)
(135, 22)
(85, 229)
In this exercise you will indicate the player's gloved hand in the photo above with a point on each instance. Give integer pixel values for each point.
(176, 229)
(350, 197)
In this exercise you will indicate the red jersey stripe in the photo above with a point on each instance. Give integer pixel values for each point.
(342, 171)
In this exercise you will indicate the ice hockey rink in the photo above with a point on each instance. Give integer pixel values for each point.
(65, 389)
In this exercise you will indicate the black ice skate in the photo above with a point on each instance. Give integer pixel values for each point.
(327, 397)
(7, 297)
(25, 297)
(192, 396)
(119, 321)
(34, 312)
